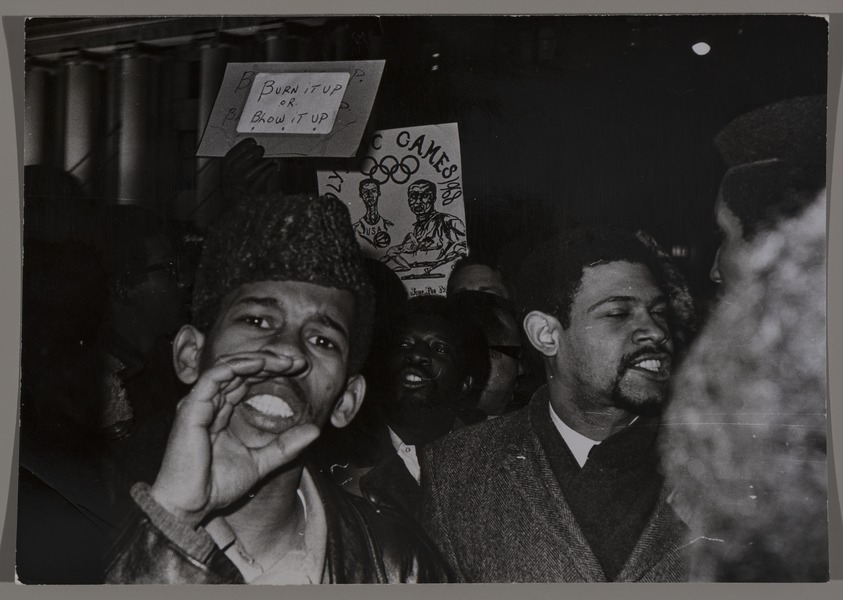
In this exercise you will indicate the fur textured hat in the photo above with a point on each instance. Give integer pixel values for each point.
(776, 156)
(285, 238)
(792, 130)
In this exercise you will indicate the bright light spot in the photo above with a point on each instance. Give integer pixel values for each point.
(434, 68)
(435, 55)
(701, 48)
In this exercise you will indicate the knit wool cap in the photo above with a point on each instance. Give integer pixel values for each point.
(285, 238)
(776, 156)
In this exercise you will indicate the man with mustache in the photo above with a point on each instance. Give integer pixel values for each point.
(568, 488)
(282, 317)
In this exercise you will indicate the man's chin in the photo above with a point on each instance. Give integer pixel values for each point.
(645, 405)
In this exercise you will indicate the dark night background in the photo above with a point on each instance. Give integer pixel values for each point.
(562, 120)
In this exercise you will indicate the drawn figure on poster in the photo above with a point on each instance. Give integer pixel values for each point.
(432, 231)
(372, 227)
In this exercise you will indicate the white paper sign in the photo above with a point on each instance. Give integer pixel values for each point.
(406, 203)
(290, 103)
(335, 118)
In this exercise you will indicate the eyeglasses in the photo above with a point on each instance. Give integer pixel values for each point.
(514, 352)
(478, 299)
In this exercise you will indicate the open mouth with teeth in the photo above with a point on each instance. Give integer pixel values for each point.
(274, 411)
(272, 406)
(657, 368)
(414, 378)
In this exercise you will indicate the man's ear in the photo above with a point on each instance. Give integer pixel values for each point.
(349, 402)
(467, 383)
(543, 331)
(187, 352)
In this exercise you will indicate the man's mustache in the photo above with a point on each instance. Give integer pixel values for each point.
(628, 360)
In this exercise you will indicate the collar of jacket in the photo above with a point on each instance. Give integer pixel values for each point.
(665, 537)
(628, 448)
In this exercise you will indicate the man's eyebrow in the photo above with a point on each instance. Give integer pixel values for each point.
(270, 302)
(611, 299)
(660, 299)
(329, 321)
(267, 301)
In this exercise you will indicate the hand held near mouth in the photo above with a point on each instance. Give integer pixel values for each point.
(205, 467)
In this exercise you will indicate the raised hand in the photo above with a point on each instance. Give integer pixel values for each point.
(244, 170)
(205, 466)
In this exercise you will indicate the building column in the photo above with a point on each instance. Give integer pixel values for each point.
(37, 83)
(278, 46)
(133, 182)
(82, 120)
(213, 60)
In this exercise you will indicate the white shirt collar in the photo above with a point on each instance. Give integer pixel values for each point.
(296, 567)
(577, 443)
(407, 453)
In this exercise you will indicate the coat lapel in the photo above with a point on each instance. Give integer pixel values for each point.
(546, 511)
(662, 545)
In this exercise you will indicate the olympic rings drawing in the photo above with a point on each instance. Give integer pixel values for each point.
(390, 168)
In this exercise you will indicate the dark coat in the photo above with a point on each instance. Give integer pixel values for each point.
(389, 483)
(493, 505)
(366, 544)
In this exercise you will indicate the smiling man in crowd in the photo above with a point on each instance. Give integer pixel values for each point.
(282, 317)
(432, 369)
(568, 488)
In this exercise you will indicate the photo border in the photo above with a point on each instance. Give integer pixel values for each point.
(11, 163)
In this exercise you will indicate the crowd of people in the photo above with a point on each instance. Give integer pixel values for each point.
(279, 411)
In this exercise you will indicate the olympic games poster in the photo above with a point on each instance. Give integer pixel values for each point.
(406, 203)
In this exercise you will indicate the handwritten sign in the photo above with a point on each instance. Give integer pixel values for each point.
(406, 203)
(288, 103)
(257, 100)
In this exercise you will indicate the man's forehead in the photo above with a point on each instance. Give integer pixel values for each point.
(298, 296)
(617, 279)
(478, 277)
(425, 323)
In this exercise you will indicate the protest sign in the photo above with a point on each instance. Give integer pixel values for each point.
(406, 203)
(293, 109)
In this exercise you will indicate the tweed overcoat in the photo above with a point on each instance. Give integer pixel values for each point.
(496, 511)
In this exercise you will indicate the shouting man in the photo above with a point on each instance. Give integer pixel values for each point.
(282, 317)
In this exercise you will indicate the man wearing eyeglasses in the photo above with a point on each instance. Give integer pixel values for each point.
(145, 306)
(478, 289)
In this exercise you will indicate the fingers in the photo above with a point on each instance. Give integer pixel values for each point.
(212, 381)
(273, 364)
(284, 449)
(222, 417)
(221, 387)
(238, 150)
(241, 161)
